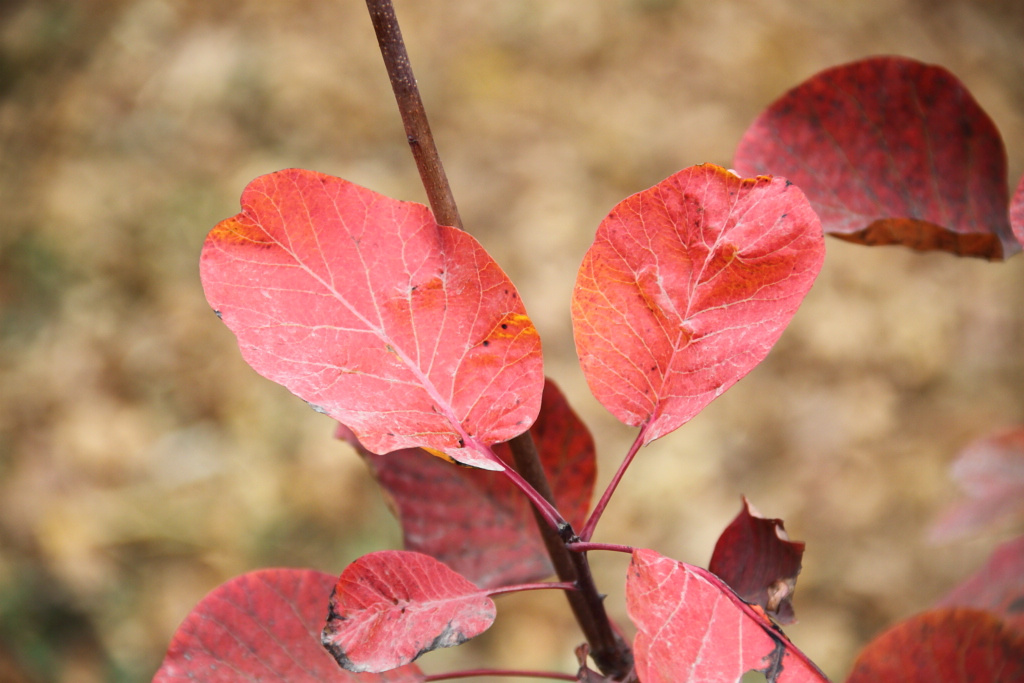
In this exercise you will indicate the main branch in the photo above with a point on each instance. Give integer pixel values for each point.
(414, 116)
(610, 653)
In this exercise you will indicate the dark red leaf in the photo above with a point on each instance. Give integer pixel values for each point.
(686, 288)
(943, 646)
(691, 627)
(890, 151)
(1017, 212)
(990, 471)
(263, 626)
(477, 522)
(755, 557)
(390, 607)
(998, 587)
(404, 330)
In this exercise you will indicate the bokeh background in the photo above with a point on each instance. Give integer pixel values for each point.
(142, 463)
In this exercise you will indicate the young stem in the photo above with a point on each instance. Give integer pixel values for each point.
(595, 515)
(543, 585)
(542, 503)
(610, 653)
(587, 546)
(471, 673)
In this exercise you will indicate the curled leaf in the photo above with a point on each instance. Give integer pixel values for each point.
(390, 607)
(686, 288)
(756, 558)
(890, 151)
(404, 330)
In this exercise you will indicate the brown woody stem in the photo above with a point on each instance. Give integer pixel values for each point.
(414, 116)
(610, 653)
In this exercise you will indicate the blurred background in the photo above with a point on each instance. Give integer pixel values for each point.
(142, 463)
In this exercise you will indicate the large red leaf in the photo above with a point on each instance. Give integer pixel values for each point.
(686, 288)
(263, 626)
(390, 607)
(691, 627)
(477, 522)
(1017, 212)
(990, 471)
(943, 646)
(890, 151)
(755, 557)
(998, 587)
(404, 330)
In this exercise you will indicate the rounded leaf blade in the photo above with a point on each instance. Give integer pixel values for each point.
(686, 288)
(949, 645)
(390, 607)
(406, 331)
(265, 626)
(890, 151)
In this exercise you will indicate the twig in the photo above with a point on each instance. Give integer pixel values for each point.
(609, 652)
(414, 116)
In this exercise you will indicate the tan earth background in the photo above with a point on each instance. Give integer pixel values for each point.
(142, 463)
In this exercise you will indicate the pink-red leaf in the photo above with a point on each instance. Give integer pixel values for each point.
(990, 471)
(998, 587)
(755, 557)
(890, 151)
(691, 627)
(390, 607)
(477, 522)
(1017, 212)
(263, 626)
(686, 288)
(943, 646)
(405, 331)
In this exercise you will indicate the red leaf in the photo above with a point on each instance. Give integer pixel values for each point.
(691, 627)
(1017, 212)
(890, 151)
(991, 473)
(477, 522)
(390, 607)
(686, 288)
(998, 587)
(943, 646)
(404, 330)
(755, 557)
(263, 626)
